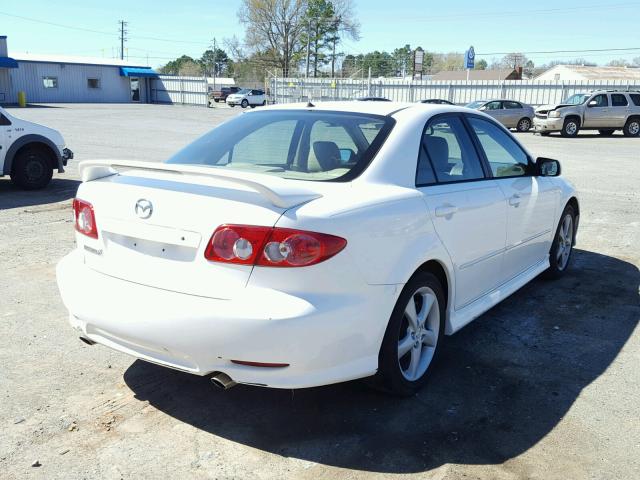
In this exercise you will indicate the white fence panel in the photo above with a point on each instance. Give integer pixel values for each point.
(180, 90)
(286, 90)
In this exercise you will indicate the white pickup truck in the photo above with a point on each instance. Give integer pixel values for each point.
(29, 153)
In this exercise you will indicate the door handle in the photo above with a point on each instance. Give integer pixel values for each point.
(514, 200)
(446, 211)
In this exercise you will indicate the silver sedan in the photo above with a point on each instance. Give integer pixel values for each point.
(510, 113)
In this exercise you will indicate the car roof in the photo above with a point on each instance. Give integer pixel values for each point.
(374, 108)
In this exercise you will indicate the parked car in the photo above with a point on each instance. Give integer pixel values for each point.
(510, 113)
(605, 111)
(247, 97)
(299, 246)
(373, 99)
(437, 101)
(223, 93)
(29, 152)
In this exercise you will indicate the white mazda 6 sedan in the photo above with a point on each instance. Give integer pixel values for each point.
(305, 245)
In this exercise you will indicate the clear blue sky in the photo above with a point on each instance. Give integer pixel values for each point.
(187, 26)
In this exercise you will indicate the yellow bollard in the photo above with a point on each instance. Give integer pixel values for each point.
(22, 99)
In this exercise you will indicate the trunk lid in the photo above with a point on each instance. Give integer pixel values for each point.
(154, 222)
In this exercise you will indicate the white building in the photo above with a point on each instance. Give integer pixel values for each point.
(67, 79)
(564, 73)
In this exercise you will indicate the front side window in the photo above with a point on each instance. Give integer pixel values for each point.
(493, 106)
(447, 154)
(50, 82)
(619, 100)
(505, 157)
(601, 101)
(295, 144)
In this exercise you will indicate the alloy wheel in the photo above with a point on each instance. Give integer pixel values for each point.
(565, 242)
(418, 333)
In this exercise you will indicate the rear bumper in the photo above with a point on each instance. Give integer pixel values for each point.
(326, 340)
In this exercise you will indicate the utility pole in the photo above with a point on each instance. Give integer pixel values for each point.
(308, 45)
(123, 37)
(215, 60)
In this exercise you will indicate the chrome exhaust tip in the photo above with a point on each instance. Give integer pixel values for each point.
(222, 381)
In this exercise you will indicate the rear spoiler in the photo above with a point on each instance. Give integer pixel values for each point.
(279, 192)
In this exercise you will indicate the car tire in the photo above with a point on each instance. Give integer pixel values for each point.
(264, 103)
(32, 169)
(632, 127)
(524, 125)
(570, 128)
(253, 106)
(562, 246)
(545, 134)
(607, 132)
(232, 105)
(216, 100)
(405, 373)
(245, 103)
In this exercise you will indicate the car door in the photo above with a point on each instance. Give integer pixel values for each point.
(598, 113)
(496, 110)
(467, 208)
(513, 112)
(531, 200)
(5, 126)
(620, 109)
(256, 97)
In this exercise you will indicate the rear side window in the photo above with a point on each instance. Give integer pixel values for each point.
(619, 100)
(447, 154)
(505, 157)
(635, 97)
(512, 105)
(294, 144)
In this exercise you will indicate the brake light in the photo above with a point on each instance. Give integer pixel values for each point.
(271, 247)
(85, 219)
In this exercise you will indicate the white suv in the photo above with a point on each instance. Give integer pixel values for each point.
(247, 98)
(30, 152)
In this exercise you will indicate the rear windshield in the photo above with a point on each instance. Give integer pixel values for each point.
(295, 144)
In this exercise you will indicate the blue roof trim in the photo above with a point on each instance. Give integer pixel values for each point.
(137, 72)
(8, 62)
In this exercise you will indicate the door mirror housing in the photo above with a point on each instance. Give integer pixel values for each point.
(547, 167)
(592, 103)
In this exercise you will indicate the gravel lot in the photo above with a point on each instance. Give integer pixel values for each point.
(546, 385)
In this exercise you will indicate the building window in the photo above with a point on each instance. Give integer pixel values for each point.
(50, 82)
(93, 82)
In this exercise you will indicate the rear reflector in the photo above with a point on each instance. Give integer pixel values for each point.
(271, 246)
(260, 364)
(84, 218)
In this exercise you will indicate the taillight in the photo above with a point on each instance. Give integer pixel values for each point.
(85, 219)
(271, 247)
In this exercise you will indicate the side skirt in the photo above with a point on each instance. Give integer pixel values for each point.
(462, 317)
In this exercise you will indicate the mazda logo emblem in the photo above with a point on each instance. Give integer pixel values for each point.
(144, 208)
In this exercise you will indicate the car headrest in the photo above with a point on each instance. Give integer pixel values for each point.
(327, 154)
(438, 150)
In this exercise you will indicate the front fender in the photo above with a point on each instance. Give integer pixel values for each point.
(20, 142)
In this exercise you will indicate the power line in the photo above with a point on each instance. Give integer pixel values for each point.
(629, 49)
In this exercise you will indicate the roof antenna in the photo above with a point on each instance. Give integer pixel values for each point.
(309, 104)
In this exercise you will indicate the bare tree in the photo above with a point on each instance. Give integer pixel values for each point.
(273, 29)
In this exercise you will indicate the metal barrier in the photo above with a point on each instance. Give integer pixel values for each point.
(169, 89)
(286, 90)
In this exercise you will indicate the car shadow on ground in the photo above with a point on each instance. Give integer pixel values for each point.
(500, 386)
(58, 190)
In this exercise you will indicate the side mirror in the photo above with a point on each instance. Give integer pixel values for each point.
(547, 167)
(592, 103)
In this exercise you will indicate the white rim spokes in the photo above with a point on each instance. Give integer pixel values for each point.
(418, 341)
(565, 242)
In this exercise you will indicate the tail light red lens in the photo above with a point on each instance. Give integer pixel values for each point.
(85, 218)
(271, 247)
